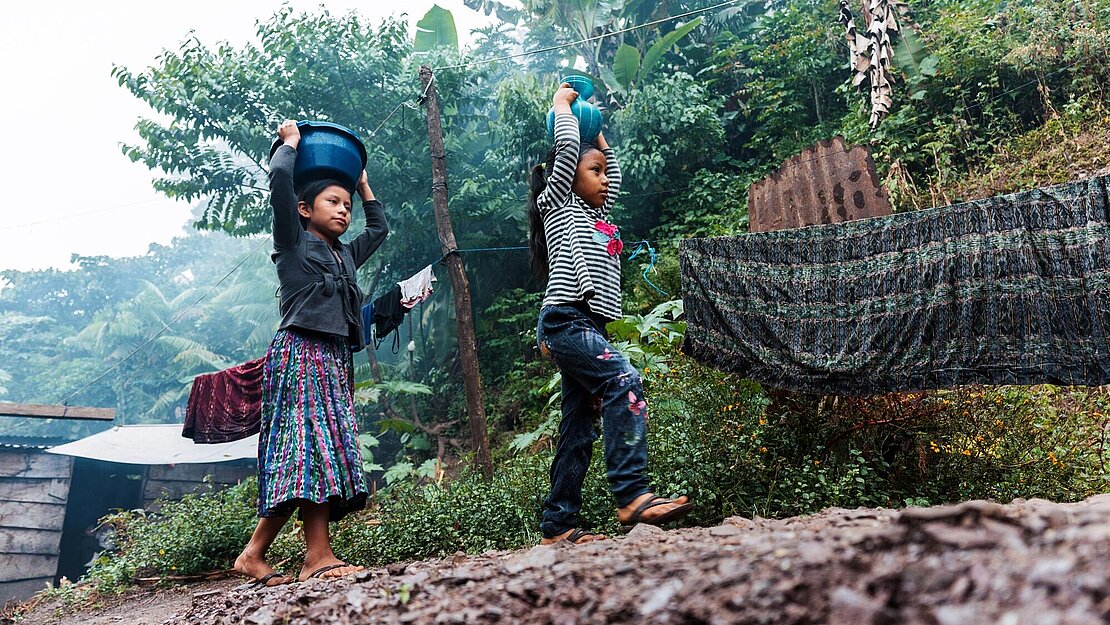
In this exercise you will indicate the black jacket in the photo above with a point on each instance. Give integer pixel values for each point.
(317, 294)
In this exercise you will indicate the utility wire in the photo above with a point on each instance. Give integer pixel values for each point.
(76, 215)
(166, 326)
(398, 107)
(589, 39)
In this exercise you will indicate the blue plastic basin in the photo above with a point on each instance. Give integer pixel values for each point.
(327, 150)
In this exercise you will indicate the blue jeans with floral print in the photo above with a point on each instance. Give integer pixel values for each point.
(593, 372)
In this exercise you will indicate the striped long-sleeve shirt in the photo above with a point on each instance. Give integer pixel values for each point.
(581, 268)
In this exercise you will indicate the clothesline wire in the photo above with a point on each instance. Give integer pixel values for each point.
(621, 196)
(166, 325)
(401, 104)
(509, 248)
(589, 39)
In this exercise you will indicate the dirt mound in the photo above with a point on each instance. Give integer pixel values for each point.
(978, 562)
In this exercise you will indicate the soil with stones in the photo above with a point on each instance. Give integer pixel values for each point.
(1029, 562)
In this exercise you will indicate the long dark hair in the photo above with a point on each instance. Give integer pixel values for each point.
(537, 240)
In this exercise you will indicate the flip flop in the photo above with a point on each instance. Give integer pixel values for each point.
(662, 519)
(261, 582)
(575, 536)
(324, 569)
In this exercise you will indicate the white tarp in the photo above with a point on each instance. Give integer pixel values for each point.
(155, 444)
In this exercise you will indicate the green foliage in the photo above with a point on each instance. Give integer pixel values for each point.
(467, 514)
(697, 114)
(740, 450)
(626, 64)
(648, 341)
(436, 29)
(675, 117)
(716, 204)
(662, 45)
(196, 534)
(723, 440)
(367, 444)
(59, 330)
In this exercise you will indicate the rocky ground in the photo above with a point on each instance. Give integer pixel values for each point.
(1029, 562)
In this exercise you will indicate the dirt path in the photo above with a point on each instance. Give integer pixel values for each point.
(1030, 562)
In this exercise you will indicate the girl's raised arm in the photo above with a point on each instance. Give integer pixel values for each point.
(370, 239)
(567, 142)
(283, 200)
(612, 172)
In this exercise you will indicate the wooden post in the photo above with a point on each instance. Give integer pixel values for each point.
(468, 347)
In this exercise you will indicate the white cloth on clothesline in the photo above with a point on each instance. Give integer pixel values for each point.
(417, 288)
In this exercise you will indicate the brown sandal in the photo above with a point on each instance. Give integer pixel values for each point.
(324, 569)
(667, 517)
(576, 537)
(261, 582)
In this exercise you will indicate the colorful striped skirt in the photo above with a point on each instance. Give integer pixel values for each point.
(308, 448)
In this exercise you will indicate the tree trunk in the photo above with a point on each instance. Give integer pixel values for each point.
(468, 347)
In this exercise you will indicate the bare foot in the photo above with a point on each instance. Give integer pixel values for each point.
(624, 515)
(342, 570)
(256, 567)
(582, 538)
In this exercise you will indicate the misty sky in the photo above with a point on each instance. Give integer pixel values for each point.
(69, 188)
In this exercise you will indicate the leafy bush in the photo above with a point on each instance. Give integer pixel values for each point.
(198, 533)
(739, 449)
(667, 133)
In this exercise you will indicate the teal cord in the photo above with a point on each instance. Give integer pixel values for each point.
(645, 246)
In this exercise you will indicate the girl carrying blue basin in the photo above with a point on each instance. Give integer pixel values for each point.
(308, 449)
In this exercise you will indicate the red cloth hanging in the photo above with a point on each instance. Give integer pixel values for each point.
(226, 405)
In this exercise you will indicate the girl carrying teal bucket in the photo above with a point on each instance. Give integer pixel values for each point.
(577, 250)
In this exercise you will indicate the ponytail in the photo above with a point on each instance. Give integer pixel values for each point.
(537, 239)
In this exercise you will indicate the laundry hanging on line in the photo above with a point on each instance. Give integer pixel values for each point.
(226, 405)
(1007, 290)
(388, 311)
(418, 288)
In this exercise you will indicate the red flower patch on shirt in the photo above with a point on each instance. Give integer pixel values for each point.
(610, 236)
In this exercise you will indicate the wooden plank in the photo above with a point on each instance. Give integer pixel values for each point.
(34, 490)
(40, 542)
(23, 589)
(18, 567)
(45, 411)
(44, 516)
(218, 472)
(28, 464)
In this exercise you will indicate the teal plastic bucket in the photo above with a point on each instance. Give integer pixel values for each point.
(589, 116)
